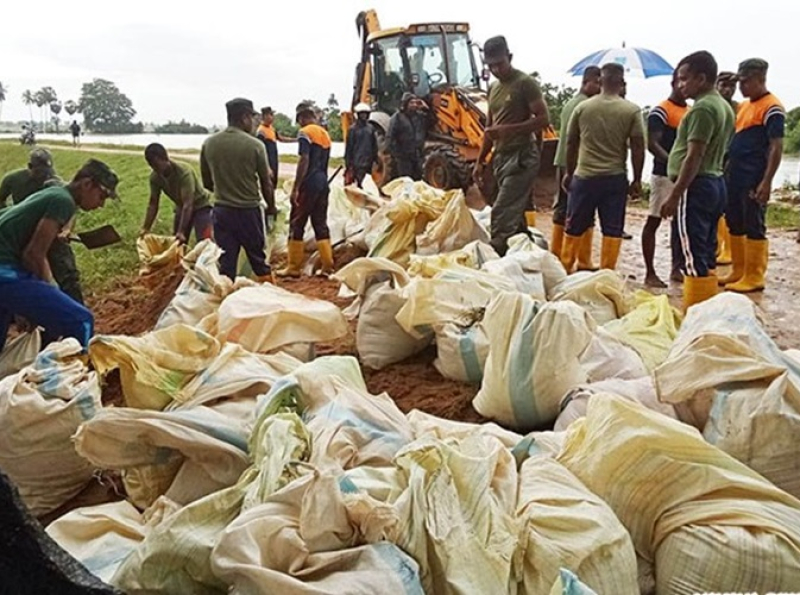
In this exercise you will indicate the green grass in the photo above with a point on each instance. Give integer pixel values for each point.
(99, 268)
(781, 216)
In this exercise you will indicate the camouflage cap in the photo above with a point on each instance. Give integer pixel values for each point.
(99, 172)
(752, 66)
(239, 106)
(726, 76)
(40, 158)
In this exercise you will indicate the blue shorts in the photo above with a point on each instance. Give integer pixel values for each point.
(606, 195)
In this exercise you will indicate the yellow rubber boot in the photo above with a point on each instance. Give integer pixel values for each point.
(698, 289)
(294, 262)
(737, 244)
(585, 251)
(557, 239)
(755, 267)
(569, 252)
(530, 218)
(723, 242)
(609, 252)
(325, 256)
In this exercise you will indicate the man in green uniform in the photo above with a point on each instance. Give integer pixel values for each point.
(517, 112)
(601, 132)
(180, 183)
(695, 163)
(27, 231)
(233, 165)
(22, 183)
(589, 88)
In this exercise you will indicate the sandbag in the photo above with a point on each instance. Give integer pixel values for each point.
(413, 206)
(601, 293)
(472, 256)
(426, 425)
(456, 515)
(435, 302)
(453, 229)
(607, 357)
(265, 318)
(380, 340)
(538, 258)
(185, 454)
(461, 352)
(41, 407)
(101, 537)
(683, 501)
(650, 328)
(175, 556)
(349, 427)
(566, 525)
(156, 366)
(158, 253)
(202, 289)
(726, 377)
(533, 359)
(20, 352)
(310, 538)
(639, 390)
(522, 269)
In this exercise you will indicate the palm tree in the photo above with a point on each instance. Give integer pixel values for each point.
(28, 99)
(39, 100)
(44, 97)
(55, 107)
(70, 107)
(3, 92)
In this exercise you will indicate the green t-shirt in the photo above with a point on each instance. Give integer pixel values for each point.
(566, 113)
(605, 124)
(234, 161)
(710, 120)
(19, 185)
(18, 223)
(181, 181)
(509, 103)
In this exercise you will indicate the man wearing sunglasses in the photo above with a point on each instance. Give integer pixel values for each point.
(27, 231)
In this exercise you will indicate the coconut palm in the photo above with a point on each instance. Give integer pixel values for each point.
(28, 99)
(71, 107)
(55, 107)
(44, 97)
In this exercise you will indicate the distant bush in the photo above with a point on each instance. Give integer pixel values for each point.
(182, 127)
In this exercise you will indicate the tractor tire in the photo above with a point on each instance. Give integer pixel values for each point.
(446, 169)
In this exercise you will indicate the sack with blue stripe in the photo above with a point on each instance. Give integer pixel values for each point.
(534, 351)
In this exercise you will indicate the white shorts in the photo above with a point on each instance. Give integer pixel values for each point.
(660, 189)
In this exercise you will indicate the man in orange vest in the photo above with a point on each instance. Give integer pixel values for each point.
(753, 160)
(662, 128)
(269, 136)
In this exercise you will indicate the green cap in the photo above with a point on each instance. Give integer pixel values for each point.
(41, 158)
(752, 66)
(99, 172)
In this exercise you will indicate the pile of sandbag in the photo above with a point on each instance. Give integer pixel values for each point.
(41, 407)
(344, 493)
(727, 377)
(705, 522)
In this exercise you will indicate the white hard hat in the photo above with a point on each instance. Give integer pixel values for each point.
(362, 107)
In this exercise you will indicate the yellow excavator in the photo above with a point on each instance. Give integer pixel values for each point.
(439, 63)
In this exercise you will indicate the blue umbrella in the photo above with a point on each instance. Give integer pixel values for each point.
(636, 61)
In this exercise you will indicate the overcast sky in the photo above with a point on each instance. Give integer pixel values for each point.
(178, 59)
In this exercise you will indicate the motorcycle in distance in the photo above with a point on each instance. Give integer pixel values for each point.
(28, 136)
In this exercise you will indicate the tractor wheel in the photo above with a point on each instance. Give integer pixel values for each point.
(445, 168)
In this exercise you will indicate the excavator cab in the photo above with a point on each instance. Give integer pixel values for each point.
(421, 59)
